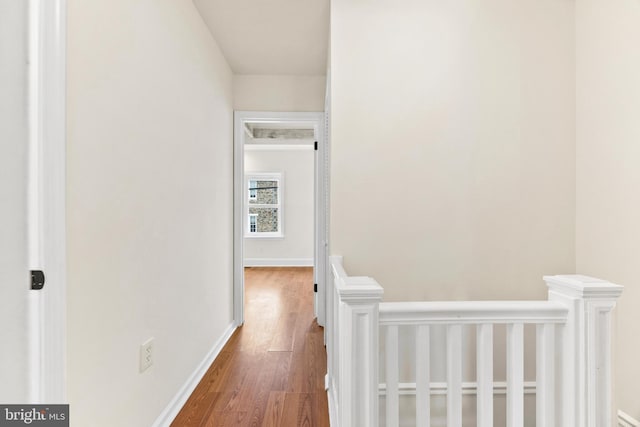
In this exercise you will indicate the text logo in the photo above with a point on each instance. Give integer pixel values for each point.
(34, 415)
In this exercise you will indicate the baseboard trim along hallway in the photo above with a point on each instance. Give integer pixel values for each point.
(168, 415)
(626, 420)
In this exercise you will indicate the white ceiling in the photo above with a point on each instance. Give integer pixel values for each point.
(270, 36)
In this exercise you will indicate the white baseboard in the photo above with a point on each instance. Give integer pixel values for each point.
(437, 388)
(625, 420)
(169, 413)
(278, 262)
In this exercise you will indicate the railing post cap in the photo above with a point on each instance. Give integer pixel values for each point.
(583, 286)
(360, 289)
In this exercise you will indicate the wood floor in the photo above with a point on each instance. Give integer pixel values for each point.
(271, 373)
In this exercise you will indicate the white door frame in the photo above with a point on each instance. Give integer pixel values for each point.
(320, 204)
(46, 208)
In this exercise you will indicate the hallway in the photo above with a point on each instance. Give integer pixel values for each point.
(271, 372)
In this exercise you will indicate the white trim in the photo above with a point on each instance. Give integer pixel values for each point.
(333, 409)
(264, 236)
(323, 267)
(468, 388)
(321, 218)
(47, 120)
(331, 401)
(247, 131)
(169, 413)
(238, 217)
(278, 262)
(35, 195)
(626, 420)
(296, 118)
(471, 312)
(279, 147)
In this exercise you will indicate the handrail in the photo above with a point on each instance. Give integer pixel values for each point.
(360, 288)
(337, 268)
(472, 312)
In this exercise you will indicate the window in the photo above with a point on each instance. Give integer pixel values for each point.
(253, 222)
(264, 205)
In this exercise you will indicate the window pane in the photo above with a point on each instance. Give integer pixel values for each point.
(266, 192)
(267, 219)
(252, 190)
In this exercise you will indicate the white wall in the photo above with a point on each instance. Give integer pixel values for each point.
(608, 172)
(453, 145)
(14, 273)
(296, 248)
(149, 204)
(278, 93)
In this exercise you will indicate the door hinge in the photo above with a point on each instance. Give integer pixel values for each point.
(37, 280)
(315, 145)
(315, 287)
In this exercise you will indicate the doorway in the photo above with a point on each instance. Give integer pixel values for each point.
(294, 131)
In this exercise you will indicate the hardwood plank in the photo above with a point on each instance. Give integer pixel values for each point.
(198, 410)
(239, 365)
(259, 407)
(254, 393)
(284, 337)
(249, 385)
(306, 410)
(321, 413)
(273, 413)
(226, 419)
(298, 410)
(316, 357)
(281, 370)
(216, 376)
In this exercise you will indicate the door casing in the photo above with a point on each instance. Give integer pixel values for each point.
(320, 203)
(46, 199)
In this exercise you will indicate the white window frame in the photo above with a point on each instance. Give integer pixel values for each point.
(264, 176)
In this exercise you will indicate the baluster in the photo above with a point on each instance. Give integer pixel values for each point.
(454, 376)
(545, 386)
(391, 367)
(423, 395)
(484, 367)
(515, 375)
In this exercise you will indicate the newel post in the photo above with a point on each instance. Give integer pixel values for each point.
(586, 348)
(358, 337)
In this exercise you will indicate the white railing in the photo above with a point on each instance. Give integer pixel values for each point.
(422, 316)
(572, 357)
